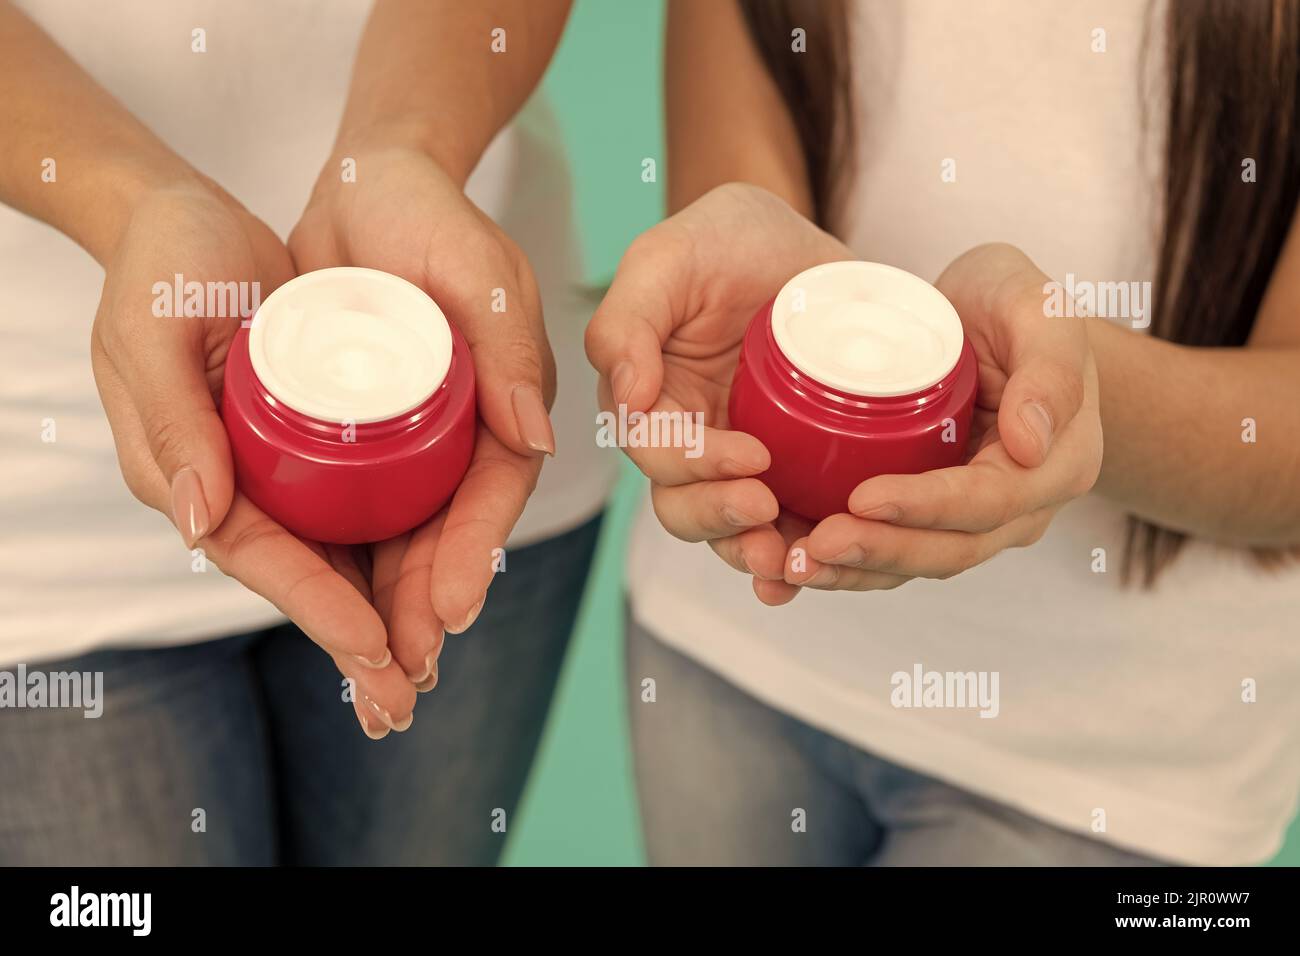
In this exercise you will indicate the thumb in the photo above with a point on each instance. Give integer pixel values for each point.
(625, 337)
(999, 293)
(1044, 393)
(187, 440)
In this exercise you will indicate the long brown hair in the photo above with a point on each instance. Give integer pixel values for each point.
(1234, 96)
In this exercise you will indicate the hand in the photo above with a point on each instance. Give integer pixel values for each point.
(405, 216)
(666, 338)
(159, 378)
(1036, 443)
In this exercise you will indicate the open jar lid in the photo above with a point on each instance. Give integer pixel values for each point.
(350, 345)
(867, 329)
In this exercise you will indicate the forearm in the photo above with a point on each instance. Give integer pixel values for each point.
(426, 74)
(1173, 418)
(104, 159)
(726, 120)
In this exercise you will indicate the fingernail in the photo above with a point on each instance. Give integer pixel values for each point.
(431, 682)
(737, 518)
(189, 507)
(622, 381)
(429, 660)
(372, 734)
(384, 716)
(531, 418)
(1039, 421)
(379, 663)
(881, 513)
(469, 619)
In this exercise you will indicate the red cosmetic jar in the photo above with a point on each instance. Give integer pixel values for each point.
(349, 403)
(854, 370)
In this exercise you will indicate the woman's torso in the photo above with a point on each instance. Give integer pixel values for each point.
(999, 122)
(81, 563)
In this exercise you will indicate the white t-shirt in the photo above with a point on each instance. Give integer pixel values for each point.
(1117, 708)
(82, 564)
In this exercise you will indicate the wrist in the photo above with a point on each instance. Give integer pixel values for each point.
(122, 189)
(422, 133)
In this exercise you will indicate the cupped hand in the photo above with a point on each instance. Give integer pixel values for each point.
(159, 374)
(667, 338)
(1036, 443)
(403, 214)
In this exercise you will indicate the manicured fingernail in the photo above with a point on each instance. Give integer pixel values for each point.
(469, 619)
(384, 716)
(881, 513)
(429, 660)
(379, 663)
(372, 734)
(531, 418)
(622, 381)
(431, 682)
(189, 507)
(1039, 421)
(738, 518)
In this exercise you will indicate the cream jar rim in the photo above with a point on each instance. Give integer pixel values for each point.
(895, 287)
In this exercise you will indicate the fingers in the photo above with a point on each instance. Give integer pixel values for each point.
(403, 567)
(343, 559)
(646, 299)
(988, 492)
(760, 551)
(1000, 295)
(704, 454)
(267, 559)
(792, 529)
(472, 541)
(160, 389)
(811, 573)
(1042, 396)
(314, 245)
(487, 289)
(894, 552)
(329, 606)
(774, 593)
(713, 509)
(384, 700)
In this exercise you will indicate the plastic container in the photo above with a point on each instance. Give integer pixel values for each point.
(855, 369)
(349, 403)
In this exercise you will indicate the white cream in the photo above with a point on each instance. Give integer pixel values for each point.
(867, 329)
(350, 345)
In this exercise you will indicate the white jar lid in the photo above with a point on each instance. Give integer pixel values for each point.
(867, 329)
(350, 345)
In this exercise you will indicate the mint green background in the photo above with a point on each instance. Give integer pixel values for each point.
(580, 807)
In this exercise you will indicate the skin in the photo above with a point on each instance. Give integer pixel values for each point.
(427, 96)
(145, 214)
(668, 334)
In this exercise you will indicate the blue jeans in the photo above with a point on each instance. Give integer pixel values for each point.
(252, 730)
(720, 776)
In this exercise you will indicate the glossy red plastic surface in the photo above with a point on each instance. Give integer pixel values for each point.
(825, 442)
(388, 478)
